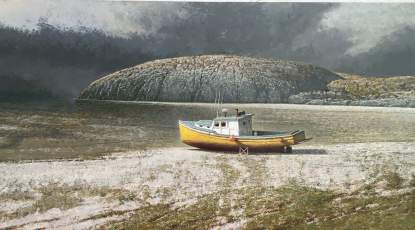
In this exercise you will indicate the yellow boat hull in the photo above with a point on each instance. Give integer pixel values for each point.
(206, 140)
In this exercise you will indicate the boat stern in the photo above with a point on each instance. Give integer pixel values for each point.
(299, 136)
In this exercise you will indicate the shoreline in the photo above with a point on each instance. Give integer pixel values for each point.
(260, 105)
(128, 154)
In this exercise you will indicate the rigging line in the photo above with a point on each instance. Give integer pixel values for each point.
(217, 104)
(221, 102)
(214, 105)
(219, 109)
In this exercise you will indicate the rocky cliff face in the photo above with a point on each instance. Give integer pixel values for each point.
(202, 78)
(363, 91)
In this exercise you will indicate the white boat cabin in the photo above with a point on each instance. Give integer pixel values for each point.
(240, 125)
(237, 125)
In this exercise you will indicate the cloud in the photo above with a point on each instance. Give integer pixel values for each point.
(394, 55)
(367, 25)
(114, 18)
(364, 25)
(256, 29)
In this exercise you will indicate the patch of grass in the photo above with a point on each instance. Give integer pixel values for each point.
(16, 196)
(59, 198)
(396, 212)
(263, 207)
(10, 141)
(393, 179)
(127, 196)
(143, 218)
(289, 207)
(256, 169)
(56, 197)
(412, 181)
(229, 172)
(202, 215)
(164, 193)
(145, 193)
(62, 197)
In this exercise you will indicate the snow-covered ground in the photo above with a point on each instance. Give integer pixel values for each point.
(188, 173)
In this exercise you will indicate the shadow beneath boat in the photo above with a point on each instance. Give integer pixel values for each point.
(294, 152)
(307, 152)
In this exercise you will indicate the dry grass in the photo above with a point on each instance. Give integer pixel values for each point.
(289, 207)
(60, 196)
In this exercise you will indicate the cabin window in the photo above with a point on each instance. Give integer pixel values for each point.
(216, 124)
(223, 124)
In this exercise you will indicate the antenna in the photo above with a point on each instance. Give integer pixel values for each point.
(219, 105)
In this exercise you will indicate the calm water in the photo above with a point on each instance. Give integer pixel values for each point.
(93, 129)
(326, 124)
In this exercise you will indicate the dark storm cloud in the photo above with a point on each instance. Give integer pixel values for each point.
(65, 61)
(64, 45)
(392, 56)
(250, 28)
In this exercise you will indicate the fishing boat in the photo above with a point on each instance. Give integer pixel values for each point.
(235, 133)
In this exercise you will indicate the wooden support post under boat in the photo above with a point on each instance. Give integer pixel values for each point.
(243, 150)
(287, 149)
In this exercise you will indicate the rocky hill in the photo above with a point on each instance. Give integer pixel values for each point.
(359, 87)
(398, 91)
(202, 78)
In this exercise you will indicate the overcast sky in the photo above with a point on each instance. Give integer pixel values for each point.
(364, 38)
(366, 25)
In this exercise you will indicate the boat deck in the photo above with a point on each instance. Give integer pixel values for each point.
(203, 125)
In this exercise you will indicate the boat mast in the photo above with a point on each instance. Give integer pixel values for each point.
(214, 106)
(219, 104)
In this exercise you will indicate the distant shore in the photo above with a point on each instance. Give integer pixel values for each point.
(327, 107)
